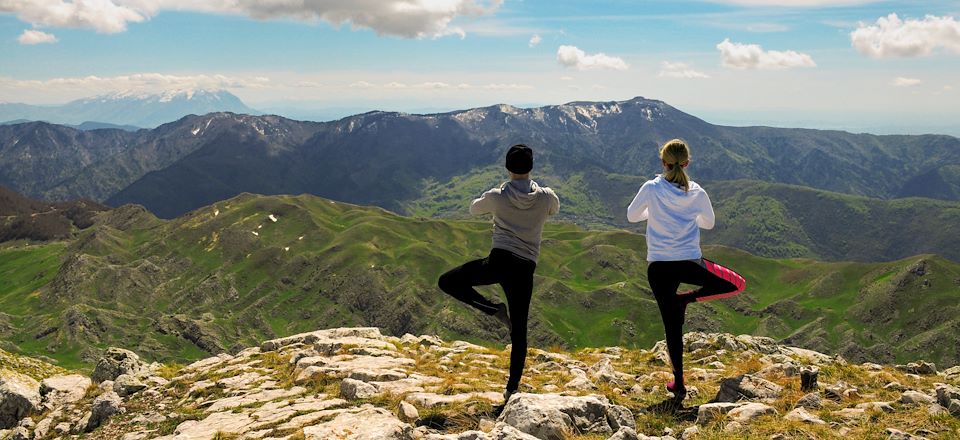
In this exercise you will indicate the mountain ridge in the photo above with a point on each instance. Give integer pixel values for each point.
(139, 109)
(229, 273)
(594, 152)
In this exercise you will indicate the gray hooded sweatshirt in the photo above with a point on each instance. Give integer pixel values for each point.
(520, 208)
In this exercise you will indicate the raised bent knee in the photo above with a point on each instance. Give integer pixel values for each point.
(446, 283)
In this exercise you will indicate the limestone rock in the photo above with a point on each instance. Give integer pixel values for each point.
(625, 433)
(746, 413)
(936, 409)
(43, 427)
(117, 361)
(352, 389)
(810, 401)
(259, 396)
(104, 406)
(690, 433)
(554, 417)
(915, 397)
(851, 414)
(59, 390)
(841, 390)
(604, 372)
(895, 386)
(19, 398)
(948, 396)
(580, 381)
(126, 384)
(367, 423)
(228, 423)
(407, 412)
(708, 412)
(747, 387)
(919, 367)
(377, 375)
(312, 337)
(801, 415)
(28, 423)
(20, 433)
(952, 374)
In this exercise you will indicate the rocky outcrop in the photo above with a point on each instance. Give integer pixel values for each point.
(60, 390)
(948, 396)
(19, 398)
(115, 362)
(104, 406)
(356, 383)
(555, 417)
(366, 423)
(127, 384)
(746, 387)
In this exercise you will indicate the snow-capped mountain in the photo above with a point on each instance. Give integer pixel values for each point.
(131, 108)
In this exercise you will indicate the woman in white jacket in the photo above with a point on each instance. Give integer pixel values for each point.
(675, 208)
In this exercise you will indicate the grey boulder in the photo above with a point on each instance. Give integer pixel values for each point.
(555, 417)
(117, 361)
(746, 387)
(19, 398)
(104, 406)
(127, 384)
(59, 390)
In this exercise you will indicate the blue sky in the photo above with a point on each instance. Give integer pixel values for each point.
(817, 63)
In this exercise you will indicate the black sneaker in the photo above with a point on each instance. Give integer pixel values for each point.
(503, 316)
(507, 394)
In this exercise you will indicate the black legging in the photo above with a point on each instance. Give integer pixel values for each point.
(515, 276)
(665, 277)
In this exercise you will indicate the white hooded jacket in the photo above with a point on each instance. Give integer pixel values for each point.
(674, 219)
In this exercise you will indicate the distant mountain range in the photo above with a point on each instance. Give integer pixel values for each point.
(128, 110)
(596, 154)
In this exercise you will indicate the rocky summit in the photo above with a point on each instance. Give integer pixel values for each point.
(357, 383)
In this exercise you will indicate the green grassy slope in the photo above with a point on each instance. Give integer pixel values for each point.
(768, 219)
(225, 276)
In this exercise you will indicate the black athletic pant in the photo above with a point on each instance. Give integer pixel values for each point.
(665, 278)
(515, 275)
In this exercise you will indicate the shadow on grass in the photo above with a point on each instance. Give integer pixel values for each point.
(674, 408)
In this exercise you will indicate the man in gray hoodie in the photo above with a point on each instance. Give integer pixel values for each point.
(519, 207)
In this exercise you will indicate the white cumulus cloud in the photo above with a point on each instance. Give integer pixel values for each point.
(104, 16)
(892, 37)
(30, 36)
(534, 40)
(752, 56)
(571, 56)
(403, 18)
(905, 82)
(679, 70)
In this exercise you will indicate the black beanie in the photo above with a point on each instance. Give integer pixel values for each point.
(519, 159)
